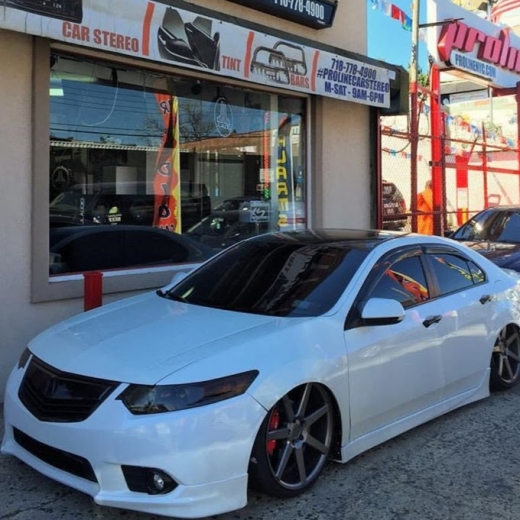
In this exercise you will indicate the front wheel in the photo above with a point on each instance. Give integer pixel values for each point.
(505, 360)
(293, 443)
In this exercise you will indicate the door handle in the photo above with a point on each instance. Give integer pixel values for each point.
(431, 320)
(485, 298)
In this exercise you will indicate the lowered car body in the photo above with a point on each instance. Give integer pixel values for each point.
(278, 354)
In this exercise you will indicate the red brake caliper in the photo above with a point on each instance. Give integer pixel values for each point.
(274, 422)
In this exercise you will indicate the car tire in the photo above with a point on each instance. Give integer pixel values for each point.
(293, 443)
(505, 360)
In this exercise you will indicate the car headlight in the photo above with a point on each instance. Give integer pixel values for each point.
(141, 399)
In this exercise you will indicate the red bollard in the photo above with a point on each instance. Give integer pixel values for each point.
(93, 295)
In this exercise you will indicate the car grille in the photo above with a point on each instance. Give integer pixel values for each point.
(60, 459)
(55, 396)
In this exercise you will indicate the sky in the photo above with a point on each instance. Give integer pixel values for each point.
(388, 41)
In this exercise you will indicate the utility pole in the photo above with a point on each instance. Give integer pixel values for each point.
(414, 117)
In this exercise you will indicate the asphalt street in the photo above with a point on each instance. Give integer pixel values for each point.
(464, 465)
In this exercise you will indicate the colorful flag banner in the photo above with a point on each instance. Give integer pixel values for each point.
(166, 184)
(394, 12)
(397, 14)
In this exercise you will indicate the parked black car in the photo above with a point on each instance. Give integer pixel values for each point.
(77, 249)
(495, 233)
(104, 205)
(394, 207)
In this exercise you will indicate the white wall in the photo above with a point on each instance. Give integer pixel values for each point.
(341, 194)
(20, 320)
(15, 190)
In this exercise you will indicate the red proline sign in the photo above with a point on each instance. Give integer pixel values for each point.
(497, 51)
(459, 39)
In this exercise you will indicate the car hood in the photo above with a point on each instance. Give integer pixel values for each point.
(143, 339)
(502, 254)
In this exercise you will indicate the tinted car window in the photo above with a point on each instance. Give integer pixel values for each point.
(403, 281)
(509, 229)
(493, 225)
(90, 252)
(476, 273)
(453, 272)
(275, 278)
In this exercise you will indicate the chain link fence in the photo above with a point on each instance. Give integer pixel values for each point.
(479, 162)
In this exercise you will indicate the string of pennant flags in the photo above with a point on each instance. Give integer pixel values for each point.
(461, 127)
(399, 153)
(450, 150)
(398, 14)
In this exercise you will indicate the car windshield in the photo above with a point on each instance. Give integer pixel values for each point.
(273, 277)
(491, 225)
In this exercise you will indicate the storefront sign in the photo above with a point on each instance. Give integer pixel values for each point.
(472, 44)
(317, 14)
(158, 32)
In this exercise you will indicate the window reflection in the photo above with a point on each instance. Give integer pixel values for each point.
(492, 225)
(455, 273)
(130, 148)
(403, 281)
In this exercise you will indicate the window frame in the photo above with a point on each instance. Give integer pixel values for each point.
(44, 288)
(393, 257)
(353, 319)
(437, 249)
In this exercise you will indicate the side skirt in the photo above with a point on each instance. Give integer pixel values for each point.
(368, 441)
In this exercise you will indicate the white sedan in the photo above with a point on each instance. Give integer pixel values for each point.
(273, 357)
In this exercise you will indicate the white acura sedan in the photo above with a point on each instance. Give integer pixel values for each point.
(275, 356)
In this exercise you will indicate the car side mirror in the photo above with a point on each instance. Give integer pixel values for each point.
(382, 311)
(448, 233)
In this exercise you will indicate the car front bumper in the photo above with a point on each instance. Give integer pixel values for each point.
(205, 450)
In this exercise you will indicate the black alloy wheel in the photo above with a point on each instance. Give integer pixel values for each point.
(505, 360)
(293, 443)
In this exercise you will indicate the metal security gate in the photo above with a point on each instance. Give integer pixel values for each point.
(469, 151)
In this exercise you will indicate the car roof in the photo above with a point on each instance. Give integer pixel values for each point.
(352, 238)
(509, 207)
(72, 230)
(61, 233)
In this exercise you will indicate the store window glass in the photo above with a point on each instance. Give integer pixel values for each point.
(200, 164)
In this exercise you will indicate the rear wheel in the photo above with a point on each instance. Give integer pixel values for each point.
(293, 443)
(505, 360)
